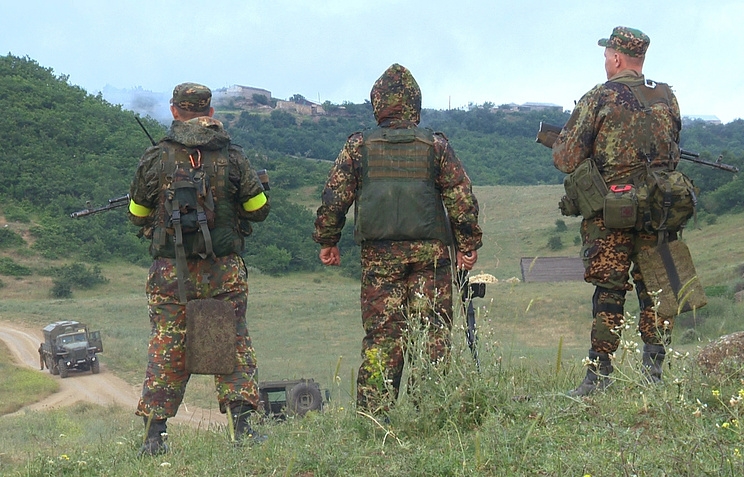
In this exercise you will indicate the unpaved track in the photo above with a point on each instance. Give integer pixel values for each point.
(103, 388)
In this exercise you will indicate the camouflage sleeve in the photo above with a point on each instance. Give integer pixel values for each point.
(339, 192)
(674, 107)
(576, 140)
(457, 196)
(245, 179)
(144, 189)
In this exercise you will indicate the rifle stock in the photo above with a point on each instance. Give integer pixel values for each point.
(548, 133)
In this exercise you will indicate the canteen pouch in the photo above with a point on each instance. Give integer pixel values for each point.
(587, 186)
(621, 207)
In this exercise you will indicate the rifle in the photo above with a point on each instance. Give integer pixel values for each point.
(114, 203)
(152, 141)
(548, 133)
(468, 291)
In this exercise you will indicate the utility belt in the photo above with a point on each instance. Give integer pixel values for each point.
(659, 200)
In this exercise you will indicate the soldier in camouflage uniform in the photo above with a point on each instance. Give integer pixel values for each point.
(411, 196)
(239, 198)
(625, 126)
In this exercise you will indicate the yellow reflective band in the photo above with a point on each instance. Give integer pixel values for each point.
(255, 203)
(138, 210)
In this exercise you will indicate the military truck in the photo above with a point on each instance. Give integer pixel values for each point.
(69, 345)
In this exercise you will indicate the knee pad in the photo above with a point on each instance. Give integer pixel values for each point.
(609, 301)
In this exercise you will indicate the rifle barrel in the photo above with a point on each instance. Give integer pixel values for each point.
(115, 203)
(695, 157)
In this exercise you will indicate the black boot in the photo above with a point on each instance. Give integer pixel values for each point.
(597, 375)
(156, 435)
(241, 412)
(653, 359)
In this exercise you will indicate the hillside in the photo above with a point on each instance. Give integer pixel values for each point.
(63, 148)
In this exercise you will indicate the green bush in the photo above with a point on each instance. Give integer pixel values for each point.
(79, 275)
(61, 289)
(555, 242)
(10, 239)
(10, 268)
(14, 213)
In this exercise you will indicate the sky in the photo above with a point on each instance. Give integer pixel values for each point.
(461, 52)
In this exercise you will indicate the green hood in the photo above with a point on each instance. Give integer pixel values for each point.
(396, 96)
(203, 132)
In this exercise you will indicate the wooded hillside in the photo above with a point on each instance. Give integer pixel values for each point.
(63, 147)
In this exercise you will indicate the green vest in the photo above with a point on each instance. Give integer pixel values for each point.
(397, 198)
(209, 225)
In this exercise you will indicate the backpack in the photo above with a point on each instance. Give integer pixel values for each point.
(187, 206)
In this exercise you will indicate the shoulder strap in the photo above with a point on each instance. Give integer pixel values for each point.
(647, 92)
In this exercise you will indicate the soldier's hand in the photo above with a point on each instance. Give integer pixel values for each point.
(466, 261)
(330, 256)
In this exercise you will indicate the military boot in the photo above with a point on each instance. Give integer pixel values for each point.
(156, 435)
(653, 359)
(241, 412)
(597, 375)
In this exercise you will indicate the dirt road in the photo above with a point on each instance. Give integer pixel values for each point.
(104, 388)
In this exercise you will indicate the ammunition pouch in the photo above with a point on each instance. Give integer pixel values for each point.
(667, 200)
(568, 207)
(620, 207)
(585, 191)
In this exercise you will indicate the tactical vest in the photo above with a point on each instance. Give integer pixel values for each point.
(194, 212)
(649, 93)
(398, 198)
(666, 198)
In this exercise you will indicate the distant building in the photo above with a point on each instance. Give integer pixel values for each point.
(540, 107)
(514, 107)
(305, 107)
(240, 94)
(708, 118)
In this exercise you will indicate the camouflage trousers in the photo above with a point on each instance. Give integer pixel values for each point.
(401, 286)
(608, 255)
(224, 278)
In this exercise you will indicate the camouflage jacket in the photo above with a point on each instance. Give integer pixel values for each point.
(204, 133)
(610, 125)
(457, 195)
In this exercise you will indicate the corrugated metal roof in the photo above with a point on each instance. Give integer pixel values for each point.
(551, 269)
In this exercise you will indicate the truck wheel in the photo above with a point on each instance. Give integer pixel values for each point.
(95, 368)
(63, 372)
(302, 398)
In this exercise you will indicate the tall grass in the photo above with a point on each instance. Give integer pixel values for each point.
(510, 418)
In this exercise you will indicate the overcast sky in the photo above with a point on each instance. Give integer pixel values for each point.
(460, 51)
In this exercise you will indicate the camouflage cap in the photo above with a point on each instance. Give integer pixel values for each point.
(396, 95)
(626, 40)
(192, 97)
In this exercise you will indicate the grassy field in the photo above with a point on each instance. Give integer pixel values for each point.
(511, 418)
